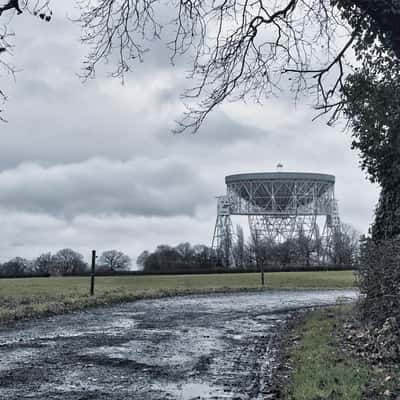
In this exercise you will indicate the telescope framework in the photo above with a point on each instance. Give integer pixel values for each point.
(280, 207)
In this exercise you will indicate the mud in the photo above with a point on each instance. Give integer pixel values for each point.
(193, 347)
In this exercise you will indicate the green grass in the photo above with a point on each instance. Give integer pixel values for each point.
(322, 371)
(28, 297)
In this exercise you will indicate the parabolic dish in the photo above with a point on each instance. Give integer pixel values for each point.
(279, 190)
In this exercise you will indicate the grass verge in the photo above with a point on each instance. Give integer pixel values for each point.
(30, 297)
(323, 369)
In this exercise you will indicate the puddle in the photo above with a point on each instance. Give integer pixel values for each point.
(194, 390)
(176, 350)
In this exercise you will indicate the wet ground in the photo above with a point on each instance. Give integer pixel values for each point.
(191, 347)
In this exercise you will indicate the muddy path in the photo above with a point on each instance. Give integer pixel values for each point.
(191, 347)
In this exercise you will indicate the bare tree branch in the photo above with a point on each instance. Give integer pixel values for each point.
(40, 8)
(12, 4)
(240, 49)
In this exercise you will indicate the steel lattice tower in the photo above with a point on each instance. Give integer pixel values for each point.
(280, 206)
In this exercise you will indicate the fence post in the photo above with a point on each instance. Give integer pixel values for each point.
(92, 274)
(262, 273)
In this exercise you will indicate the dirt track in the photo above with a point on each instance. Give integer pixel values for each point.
(192, 347)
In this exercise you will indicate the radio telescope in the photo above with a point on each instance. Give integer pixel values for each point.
(279, 206)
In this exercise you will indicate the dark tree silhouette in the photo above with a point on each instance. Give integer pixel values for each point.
(67, 261)
(115, 260)
(373, 109)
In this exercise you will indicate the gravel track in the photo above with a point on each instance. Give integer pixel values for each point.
(219, 346)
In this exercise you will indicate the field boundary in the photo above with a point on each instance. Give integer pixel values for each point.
(320, 268)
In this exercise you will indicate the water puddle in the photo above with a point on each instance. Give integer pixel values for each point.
(194, 390)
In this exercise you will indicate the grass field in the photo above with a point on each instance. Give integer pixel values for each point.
(323, 371)
(29, 297)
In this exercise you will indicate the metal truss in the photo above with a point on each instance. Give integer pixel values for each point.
(279, 229)
(279, 210)
(223, 233)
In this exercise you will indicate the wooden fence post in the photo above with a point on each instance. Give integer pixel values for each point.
(92, 274)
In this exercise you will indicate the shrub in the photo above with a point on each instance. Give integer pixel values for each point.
(379, 282)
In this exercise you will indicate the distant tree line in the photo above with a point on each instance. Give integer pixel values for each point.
(64, 262)
(300, 252)
(342, 250)
(242, 255)
(181, 258)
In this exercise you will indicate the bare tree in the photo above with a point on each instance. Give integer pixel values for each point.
(43, 263)
(203, 255)
(37, 8)
(239, 248)
(346, 244)
(67, 261)
(240, 50)
(115, 260)
(246, 49)
(303, 247)
(185, 250)
(141, 259)
(261, 250)
(15, 266)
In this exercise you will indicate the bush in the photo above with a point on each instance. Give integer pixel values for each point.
(379, 282)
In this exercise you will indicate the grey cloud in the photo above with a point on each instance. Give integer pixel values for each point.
(220, 130)
(101, 187)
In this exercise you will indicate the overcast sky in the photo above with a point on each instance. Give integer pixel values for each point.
(95, 165)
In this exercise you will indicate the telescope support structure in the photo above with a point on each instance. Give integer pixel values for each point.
(281, 207)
